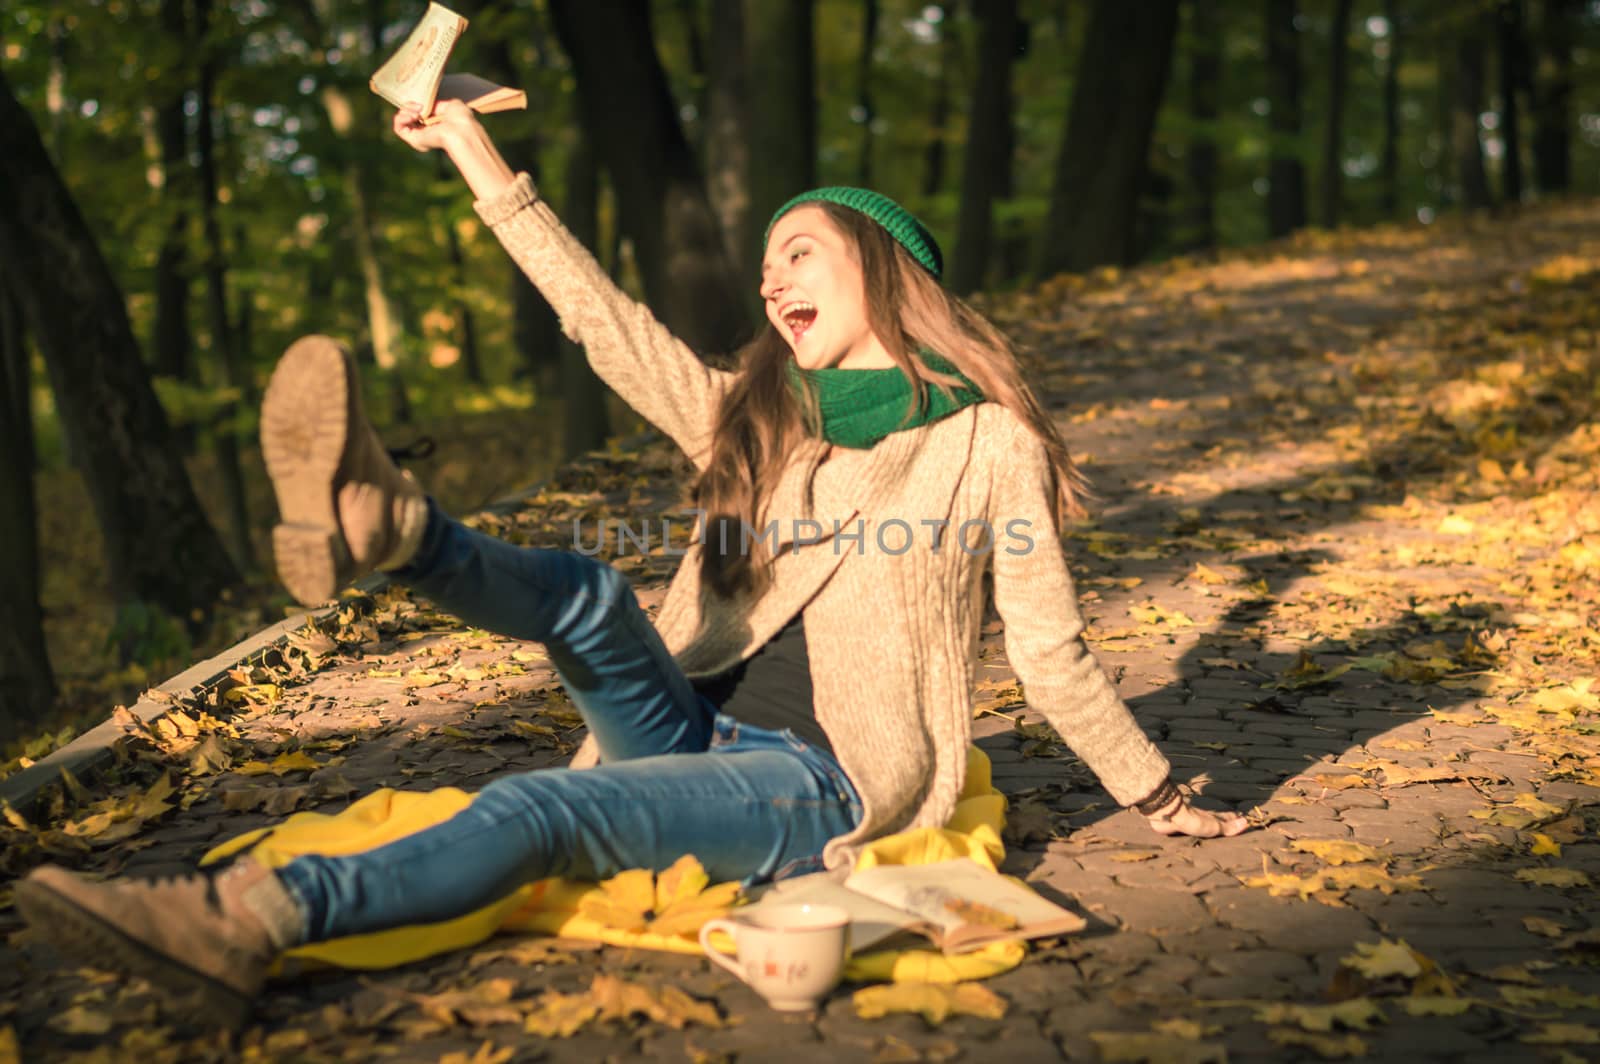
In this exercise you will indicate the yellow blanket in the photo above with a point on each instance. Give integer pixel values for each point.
(552, 905)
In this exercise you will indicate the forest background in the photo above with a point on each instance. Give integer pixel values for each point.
(191, 184)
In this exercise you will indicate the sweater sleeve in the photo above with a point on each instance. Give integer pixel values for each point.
(1034, 594)
(652, 370)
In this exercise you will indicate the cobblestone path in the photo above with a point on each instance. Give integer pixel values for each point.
(1344, 571)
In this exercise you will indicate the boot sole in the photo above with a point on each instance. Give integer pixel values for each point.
(306, 417)
(193, 996)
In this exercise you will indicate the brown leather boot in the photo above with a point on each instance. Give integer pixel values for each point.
(204, 942)
(345, 509)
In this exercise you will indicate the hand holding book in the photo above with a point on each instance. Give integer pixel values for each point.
(414, 75)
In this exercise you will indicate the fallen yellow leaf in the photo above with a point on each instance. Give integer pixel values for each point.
(1544, 846)
(1356, 1014)
(934, 1002)
(560, 1015)
(1434, 1005)
(1328, 1047)
(1339, 851)
(1539, 925)
(1563, 1034)
(1383, 959)
(1562, 878)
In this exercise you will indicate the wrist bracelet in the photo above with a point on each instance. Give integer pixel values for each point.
(1159, 799)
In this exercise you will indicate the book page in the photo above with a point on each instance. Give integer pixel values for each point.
(968, 903)
(480, 94)
(871, 922)
(413, 73)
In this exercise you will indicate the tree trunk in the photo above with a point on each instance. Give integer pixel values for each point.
(225, 440)
(699, 73)
(1512, 49)
(865, 112)
(385, 330)
(1552, 96)
(350, 119)
(1101, 165)
(159, 546)
(467, 332)
(1389, 168)
(627, 108)
(172, 339)
(27, 684)
(939, 114)
(1333, 144)
(1200, 158)
(780, 37)
(727, 139)
(1468, 106)
(988, 141)
(1286, 175)
(584, 418)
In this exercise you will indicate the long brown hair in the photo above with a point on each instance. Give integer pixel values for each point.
(761, 421)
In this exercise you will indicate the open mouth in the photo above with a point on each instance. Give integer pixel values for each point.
(799, 317)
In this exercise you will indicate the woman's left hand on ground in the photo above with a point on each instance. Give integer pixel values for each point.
(1184, 819)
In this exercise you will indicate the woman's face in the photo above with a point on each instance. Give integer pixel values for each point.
(815, 295)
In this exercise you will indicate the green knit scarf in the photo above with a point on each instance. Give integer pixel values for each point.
(860, 407)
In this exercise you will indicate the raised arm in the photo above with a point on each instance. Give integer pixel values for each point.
(1034, 594)
(652, 370)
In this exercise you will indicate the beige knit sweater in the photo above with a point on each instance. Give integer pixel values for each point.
(892, 636)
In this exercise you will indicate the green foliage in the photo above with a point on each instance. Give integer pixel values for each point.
(144, 634)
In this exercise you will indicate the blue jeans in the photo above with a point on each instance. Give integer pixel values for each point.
(676, 776)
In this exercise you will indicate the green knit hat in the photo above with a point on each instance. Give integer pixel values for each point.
(895, 220)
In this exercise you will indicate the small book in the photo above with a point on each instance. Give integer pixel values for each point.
(415, 73)
(958, 905)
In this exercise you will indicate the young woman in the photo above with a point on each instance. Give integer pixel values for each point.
(806, 687)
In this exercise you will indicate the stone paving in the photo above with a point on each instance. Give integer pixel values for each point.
(1292, 598)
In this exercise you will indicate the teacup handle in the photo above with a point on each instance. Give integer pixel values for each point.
(729, 928)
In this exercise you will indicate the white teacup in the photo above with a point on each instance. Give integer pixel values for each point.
(789, 954)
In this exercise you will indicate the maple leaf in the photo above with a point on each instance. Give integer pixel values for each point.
(1339, 851)
(1151, 613)
(1304, 672)
(1370, 877)
(482, 1005)
(1356, 1014)
(934, 1002)
(1562, 878)
(1287, 884)
(1562, 997)
(1563, 1034)
(614, 998)
(1384, 959)
(1543, 845)
(1328, 1047)
(678, 902)
(283, 765)
(209, 757)
(561, 1015)
(1206, 575)
(1434, 1005)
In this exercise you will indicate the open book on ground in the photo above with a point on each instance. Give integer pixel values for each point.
(959, 905)
(415, 73)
